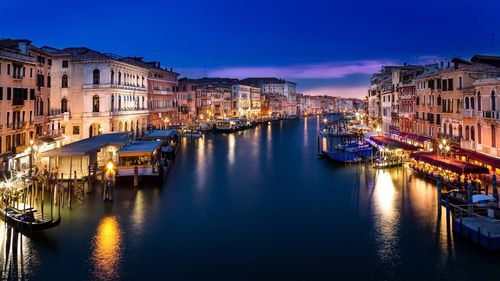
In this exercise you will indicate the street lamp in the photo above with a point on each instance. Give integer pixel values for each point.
(378, 130)
(443, 146)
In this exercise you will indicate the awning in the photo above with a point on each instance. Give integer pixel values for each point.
(483, 158)
(89, 145)
(450, 164)
(139, 148)
(160, 134)
(411, 136)
(392, 143)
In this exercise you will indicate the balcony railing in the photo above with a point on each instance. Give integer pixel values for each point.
(491, 114)
(468, 144)
(467, 112)
(16, 56)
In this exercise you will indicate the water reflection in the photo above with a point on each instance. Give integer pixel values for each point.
(386, 216)
(107, 251)
(201, 168)
(231, 149)
(17, 256)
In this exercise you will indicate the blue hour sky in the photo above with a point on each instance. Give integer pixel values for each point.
(328, 47)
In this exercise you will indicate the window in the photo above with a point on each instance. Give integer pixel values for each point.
(95, 104)
(472, 133)
(466, 102)
(439, 100)
(64, 105)
(493, 101)
(459, 87)
(8, 69)
(64, 81)
(76, 130)
(112, 102)
(112, 77)
(48, 81)
(119, 78)
(96, 76)
(493, 136)
(445, 85)
(478, 100)
(9, 93)
(1, 93)
(31, 72)
(32, 94)
(64, 64)
(49, 61)
(450, 84)
(472, 103)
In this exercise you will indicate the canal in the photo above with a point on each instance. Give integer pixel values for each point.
(254, 205)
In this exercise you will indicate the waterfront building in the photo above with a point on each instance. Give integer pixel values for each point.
(241, 99)
(276, 86)
(162, 98)
(100, 93)
(255, 104)
(186, 96)
(485, 106)
(18, 81)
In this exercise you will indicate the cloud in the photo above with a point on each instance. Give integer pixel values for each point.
(341, 91)
(303, 71)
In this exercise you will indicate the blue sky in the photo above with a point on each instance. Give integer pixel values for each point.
(328, 47)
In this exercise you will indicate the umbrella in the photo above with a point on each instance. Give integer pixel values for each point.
(494, 186)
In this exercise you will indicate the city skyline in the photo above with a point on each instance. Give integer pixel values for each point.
(327, 48)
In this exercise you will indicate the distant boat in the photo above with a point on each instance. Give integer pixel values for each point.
(341, 144)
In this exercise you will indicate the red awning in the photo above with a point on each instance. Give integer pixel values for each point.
(392, 143)
(483, 158)
(450, 164)
(412, 136)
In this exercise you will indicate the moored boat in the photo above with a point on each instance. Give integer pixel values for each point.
(145, 156)
(27, 219)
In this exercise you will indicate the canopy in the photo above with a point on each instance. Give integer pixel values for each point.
(139, 148)
(411, 136)
(89, 145)
(450, 164)
(160, 134)
(391, 143)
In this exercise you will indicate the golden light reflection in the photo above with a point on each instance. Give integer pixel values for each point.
(306, 135)
(201, 168)
(386, 215)
(231, 149)
(138, 212)
(107, 249)
(17, 256)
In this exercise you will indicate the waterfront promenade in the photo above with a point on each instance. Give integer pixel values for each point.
(255, 205)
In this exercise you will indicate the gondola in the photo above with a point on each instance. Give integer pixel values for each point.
(26, 219)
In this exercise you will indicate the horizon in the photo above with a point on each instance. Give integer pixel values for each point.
(304, 45)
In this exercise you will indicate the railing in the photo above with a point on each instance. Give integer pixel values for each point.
(491, 114)
(16, 56)
(114, 86)
(467, 112)
(468, 144)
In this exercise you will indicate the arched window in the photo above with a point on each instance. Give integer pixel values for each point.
(445, 126)
(95, 104)
(119, 102)
(119, 78)
(64, 105)
(142, 103)
(439, 100)
(64, 81)
(478, 100)
(479, 133)
(472, 103)
(40, 111)
(96, 76)
(460, 131)
(112, 102)
(143, 81)
(472, 133)
(466, 102)
(450, 129)
(466, 132)
(493, 101)
(112, 76)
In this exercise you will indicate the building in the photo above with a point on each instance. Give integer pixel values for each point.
(162, 98)
(18, 81)
(99, 93)
(271, 85)
(186, 101)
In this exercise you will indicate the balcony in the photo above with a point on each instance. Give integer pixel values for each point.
(467, 112)
(491, 114)
(468, 144)
(17, 56)
(114, 86)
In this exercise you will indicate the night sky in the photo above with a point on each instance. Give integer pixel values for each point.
(328, 47)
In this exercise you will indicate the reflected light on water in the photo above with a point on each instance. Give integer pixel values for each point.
(306, 135)
(17, 256)
(231, 149)
(386, 216)
(138, 212)
(107, 249)
(200, 168)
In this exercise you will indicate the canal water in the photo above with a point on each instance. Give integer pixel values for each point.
(254, 205)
